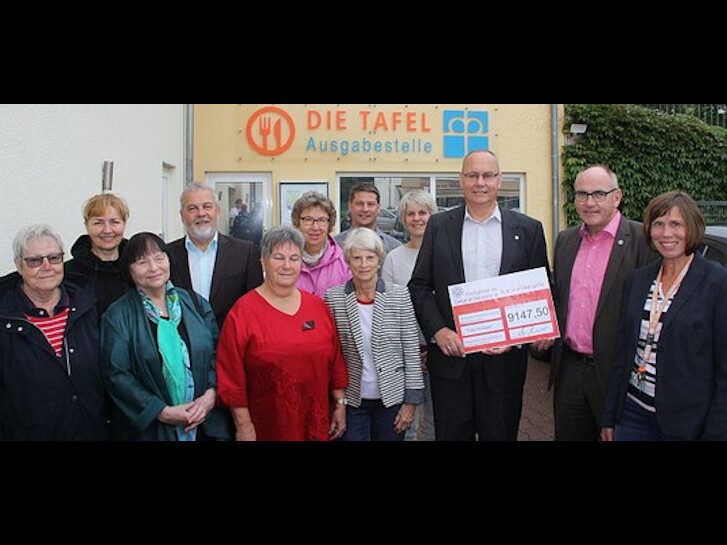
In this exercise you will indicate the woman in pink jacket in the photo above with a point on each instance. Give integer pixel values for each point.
(323, 264)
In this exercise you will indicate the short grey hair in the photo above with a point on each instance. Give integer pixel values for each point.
(611, 174)
(280, 234)
(416, 196)
(197, 186)
(26, 234)
(364, 239)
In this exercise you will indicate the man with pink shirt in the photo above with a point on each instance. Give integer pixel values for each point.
(592, 262)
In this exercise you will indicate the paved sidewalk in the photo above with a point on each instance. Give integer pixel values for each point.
(536, 423)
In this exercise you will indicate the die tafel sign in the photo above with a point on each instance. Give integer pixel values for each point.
(271, 131)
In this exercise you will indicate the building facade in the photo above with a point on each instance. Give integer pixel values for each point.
(267, 155)
(52, 159)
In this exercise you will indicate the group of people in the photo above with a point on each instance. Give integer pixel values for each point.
(308, 336)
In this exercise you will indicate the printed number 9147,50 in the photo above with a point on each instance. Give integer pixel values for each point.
(527, 315)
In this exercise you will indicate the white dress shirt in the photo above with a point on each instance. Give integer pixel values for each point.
(201, 265)
(482, 246)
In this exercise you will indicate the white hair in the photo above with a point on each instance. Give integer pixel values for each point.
(26, 234)
(363, 239)
(196, 186)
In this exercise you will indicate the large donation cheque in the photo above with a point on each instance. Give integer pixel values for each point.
(504, 310)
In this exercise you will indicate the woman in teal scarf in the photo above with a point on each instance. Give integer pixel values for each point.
(158, 347)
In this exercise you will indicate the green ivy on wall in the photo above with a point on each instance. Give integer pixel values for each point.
(650, 152)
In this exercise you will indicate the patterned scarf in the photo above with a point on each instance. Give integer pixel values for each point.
(175, 356)
(311, 260)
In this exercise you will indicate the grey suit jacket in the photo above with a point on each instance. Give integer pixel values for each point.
(629, 252)
(237, 271)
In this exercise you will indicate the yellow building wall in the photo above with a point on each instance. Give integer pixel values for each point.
(519, 134)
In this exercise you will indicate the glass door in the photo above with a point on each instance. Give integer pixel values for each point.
(247, 195)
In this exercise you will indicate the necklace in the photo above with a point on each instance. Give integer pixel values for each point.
(656, 310)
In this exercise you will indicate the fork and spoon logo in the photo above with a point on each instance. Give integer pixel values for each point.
(267, 122)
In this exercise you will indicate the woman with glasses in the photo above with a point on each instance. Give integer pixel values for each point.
(323, 264)
(96, 254)
(50, 386)
(158, 347)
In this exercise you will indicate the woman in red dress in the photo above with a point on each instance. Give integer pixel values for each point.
(279, 362)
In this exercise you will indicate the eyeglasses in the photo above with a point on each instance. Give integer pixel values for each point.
(35, 261)
(598, 196)
(474, 176)
(308, 221)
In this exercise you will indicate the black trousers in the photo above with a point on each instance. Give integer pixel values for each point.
(484, 403)
(578, 400)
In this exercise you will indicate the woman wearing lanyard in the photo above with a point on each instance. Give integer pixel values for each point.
(669, 379)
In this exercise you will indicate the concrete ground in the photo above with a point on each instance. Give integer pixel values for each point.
(536, 423)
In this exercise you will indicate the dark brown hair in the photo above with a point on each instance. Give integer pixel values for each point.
(364, 187)
(693, 217)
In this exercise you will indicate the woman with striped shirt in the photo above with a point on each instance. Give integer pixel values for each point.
(669, 380)
(51, 386)
(380, 342)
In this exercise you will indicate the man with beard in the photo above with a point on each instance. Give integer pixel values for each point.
(219, 268)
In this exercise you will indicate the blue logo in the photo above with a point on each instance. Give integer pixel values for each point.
(465, 131)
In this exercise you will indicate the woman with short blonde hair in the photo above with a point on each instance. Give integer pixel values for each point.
(96, 254)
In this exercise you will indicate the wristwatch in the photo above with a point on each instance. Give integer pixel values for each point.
(342, 401)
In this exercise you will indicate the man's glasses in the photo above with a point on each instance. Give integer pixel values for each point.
(308, 221)
(474, 176)
(598, 196)
(35, 261)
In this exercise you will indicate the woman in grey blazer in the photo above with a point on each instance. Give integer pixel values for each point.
(380, 343)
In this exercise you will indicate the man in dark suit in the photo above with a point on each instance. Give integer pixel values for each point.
(476, 395)
(220, 268)
(591, 264)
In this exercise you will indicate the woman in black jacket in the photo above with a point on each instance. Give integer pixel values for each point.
(50, 381)
(96, 254)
